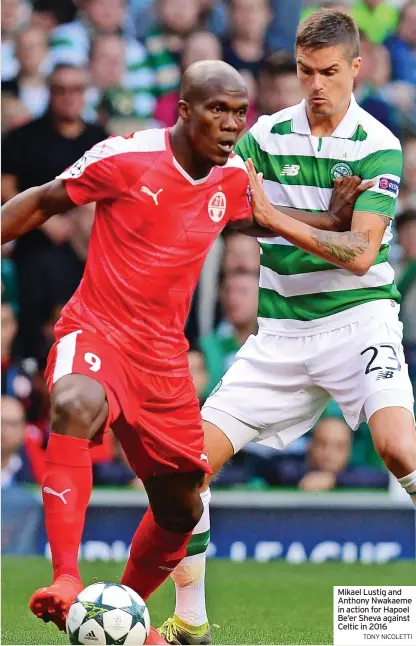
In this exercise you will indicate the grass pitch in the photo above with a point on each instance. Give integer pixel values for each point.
(248, 603)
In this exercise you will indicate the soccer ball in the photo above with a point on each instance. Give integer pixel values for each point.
(108, 613)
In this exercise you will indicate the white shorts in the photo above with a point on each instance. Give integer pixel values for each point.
(279, 386)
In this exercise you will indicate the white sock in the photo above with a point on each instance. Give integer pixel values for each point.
(409, 484)
(189, 575)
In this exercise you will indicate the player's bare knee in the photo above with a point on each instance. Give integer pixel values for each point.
(180, 517)
(397, 451)
(74, 411)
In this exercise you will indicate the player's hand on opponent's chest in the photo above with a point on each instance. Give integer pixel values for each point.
(341, 207)
(263, 211)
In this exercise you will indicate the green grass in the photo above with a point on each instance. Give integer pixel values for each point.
(251, 603)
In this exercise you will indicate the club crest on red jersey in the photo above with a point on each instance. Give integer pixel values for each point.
(217, 206)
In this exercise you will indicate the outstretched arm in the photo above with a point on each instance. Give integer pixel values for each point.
(32, 208)
(354, 250)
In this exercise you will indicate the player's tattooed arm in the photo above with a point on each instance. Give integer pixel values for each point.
(355, 250)
(343, 246)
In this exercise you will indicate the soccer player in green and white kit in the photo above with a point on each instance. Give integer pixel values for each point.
(328, 322)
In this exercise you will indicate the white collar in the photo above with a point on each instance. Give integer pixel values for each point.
(186, 175)
(345, 130)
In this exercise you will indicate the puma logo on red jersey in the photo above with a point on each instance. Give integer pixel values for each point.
(146, 190)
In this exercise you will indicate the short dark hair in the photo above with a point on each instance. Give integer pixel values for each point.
(278, 64)
(329, 28)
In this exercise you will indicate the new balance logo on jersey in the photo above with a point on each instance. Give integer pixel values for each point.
(154, 196)
(91, 635)
(386, 374)
(291, 170)
(57, 494)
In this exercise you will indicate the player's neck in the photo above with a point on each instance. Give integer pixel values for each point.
(185, 155)
(325, 125)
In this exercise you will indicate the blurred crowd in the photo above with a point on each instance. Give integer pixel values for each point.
(74, 71)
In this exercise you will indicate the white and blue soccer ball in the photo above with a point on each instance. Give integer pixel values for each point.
(108, 613)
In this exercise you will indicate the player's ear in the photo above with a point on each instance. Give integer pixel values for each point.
(356, 65)
(183, 109)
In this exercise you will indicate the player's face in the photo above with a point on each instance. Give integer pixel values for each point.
(326, 77)
(215, 123)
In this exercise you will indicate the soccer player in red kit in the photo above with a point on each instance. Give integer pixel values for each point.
(162, 197)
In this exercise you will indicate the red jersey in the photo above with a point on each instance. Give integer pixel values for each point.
(153, 228)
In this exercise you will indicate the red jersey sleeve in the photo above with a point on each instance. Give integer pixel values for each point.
(96, 176)
(241, 208)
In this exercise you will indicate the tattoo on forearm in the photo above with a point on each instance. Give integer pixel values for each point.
(343, 246)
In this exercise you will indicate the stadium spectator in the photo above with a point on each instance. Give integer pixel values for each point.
(245, 47)
(402, 46)
(214, 16)
(16, 374)
(238, 298)
(282, 29)
(71, 43)
(29, 85)
(165, 41)
(198, 371)
(14, 15)
(107, 64)
(48, 267)
(108, 73)
(48, 14)
(278, 85)
(378, 19)
(14, 113)
(325, 465)
(200, 45)
(241, 254)
(21, 450)
(374, 74)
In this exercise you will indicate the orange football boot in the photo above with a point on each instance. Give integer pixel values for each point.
(53, 602)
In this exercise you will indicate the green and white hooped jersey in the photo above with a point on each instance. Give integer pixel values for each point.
(298, 291)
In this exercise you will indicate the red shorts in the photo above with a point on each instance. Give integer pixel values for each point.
(156, 418)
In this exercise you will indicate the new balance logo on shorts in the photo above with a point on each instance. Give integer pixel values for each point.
(291, 170)
(385, 374)
(91, 635)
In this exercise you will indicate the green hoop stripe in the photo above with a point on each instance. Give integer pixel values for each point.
(198, 543)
